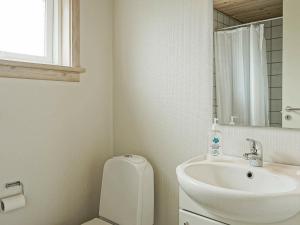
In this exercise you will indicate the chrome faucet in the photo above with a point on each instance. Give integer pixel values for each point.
(255, 156)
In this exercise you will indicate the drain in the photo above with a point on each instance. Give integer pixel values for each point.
(250, 175)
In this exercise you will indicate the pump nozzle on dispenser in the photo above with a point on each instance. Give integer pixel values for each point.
(232, 118)
(215, 124)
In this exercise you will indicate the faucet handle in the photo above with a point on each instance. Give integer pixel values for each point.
(253, 144)
(252, 141)
(256, 153)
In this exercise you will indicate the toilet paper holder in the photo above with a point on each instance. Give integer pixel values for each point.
(15, 184)
(14, 201)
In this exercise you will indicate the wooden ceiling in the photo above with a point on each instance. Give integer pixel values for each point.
(250, 10)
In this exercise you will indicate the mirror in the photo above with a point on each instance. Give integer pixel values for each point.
(256, 61)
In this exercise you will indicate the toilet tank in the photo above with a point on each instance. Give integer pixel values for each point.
(127, 194)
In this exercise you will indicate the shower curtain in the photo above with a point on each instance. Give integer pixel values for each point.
(241, 76)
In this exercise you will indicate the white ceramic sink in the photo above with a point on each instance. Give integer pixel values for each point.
(230, 188)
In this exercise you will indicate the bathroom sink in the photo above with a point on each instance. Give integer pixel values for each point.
(230, 188)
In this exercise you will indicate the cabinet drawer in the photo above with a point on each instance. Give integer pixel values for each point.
(186, 218)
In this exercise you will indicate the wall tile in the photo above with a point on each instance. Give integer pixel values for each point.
(276, 93)
(215, 25)
(269, 57)
(277, 32)
(276, 56)
(276, 81)
(236, 22)
(276, 105)
(269, 45)
(276, 68)
(268, 33)
(220, 25)
(267, 24)
(226, 20)
(277, 44)
(232, 22)
(277, 22)
(215, 15)
(220, 17)
(269, 69)
(275, 117)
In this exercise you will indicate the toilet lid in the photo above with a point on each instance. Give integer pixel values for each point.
(96, 221)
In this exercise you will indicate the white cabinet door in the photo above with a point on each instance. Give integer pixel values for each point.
(186, 218)
(291, 54)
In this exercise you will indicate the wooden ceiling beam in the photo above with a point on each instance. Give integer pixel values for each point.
(250, 10)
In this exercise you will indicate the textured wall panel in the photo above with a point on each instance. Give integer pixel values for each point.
(163, 86)
(280, 145)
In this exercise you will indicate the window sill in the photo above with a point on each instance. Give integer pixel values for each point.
(36, 71)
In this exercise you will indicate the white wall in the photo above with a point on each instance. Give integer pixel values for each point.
(163, 85)
(162, 103)
(55, 136)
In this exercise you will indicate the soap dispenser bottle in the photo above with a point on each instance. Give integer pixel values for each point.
(215, 141)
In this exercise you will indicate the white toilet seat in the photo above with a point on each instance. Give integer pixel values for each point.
(96, 221)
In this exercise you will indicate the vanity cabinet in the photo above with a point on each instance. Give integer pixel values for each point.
(186, 218)
(192, 213)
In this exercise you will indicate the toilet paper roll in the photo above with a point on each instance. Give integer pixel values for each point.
(13, 203)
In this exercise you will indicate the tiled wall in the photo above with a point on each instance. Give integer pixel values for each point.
(221, 20)
(273, 35)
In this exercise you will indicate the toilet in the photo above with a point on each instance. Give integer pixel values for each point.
(127, 194)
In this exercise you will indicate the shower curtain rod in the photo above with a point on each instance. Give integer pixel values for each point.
(247, 24)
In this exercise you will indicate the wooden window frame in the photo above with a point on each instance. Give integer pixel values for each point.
(70, 69)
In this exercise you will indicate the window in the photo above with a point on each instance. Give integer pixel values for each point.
(26, 30)
(40, 32)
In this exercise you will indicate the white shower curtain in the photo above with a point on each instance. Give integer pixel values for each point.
(241, 76)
